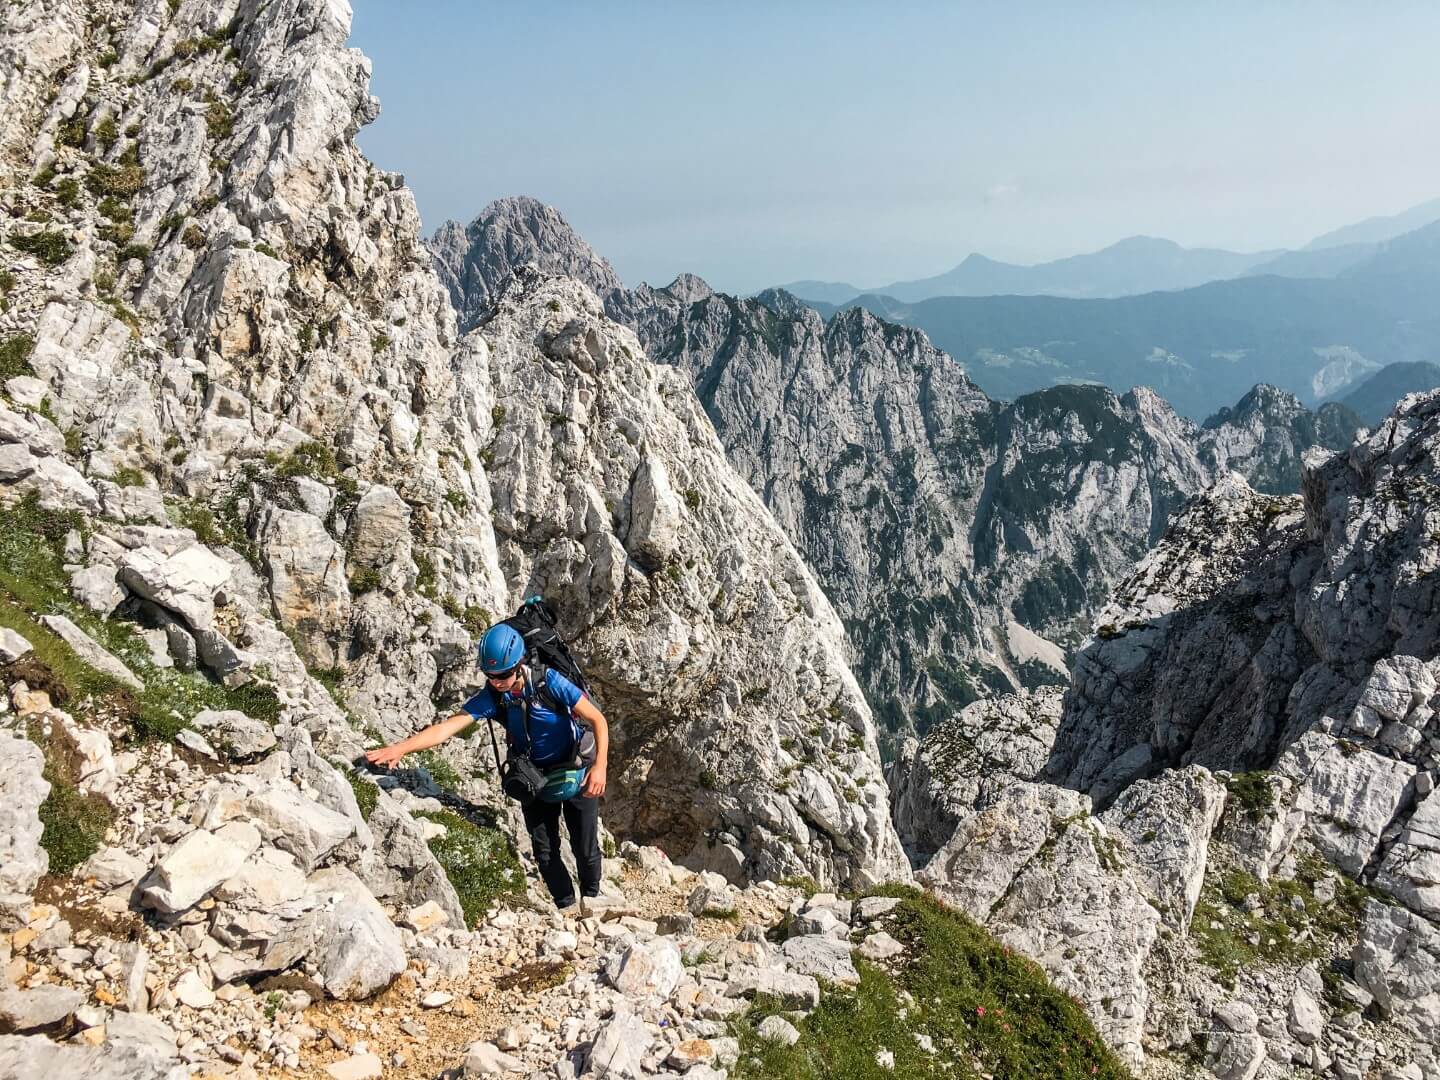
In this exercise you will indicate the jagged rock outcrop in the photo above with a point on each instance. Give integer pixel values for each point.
(611, 494)
(1266, 433)
(964, 763)
(1259, 619)
(965, 543)
(474, 260)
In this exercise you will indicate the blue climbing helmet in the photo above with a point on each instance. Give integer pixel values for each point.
(501, 649)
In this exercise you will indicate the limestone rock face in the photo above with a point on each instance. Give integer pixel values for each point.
(1397, 959)
(1168, 822)
(1260, 594)
(961, 765)
(1046, 878)
(700, 626)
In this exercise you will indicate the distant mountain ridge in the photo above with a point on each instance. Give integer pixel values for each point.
(1200, 348)
(1133, 265)
(1136, 265)
(1373, 399)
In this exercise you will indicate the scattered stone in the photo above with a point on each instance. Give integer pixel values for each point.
(793, 990)
(880, 946)
(359, 1067)
(487, 1059)
(194, 741)
(823, 957)
(190, 990)
(619, 1048)
(871, 908)
(12, 646)
(777, 1029)
(426, 917)
(436, 999)
(686, 1055)
(112, 867)
(647, 968)
(198, 864)
(23, 789)
(41, 1008)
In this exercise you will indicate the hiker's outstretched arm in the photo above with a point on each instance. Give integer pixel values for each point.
(423, 739)
(594, 719)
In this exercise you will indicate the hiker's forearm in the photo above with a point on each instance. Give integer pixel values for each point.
(592, 716)
(434, 735)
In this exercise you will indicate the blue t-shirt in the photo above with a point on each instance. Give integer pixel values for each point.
(554, 734)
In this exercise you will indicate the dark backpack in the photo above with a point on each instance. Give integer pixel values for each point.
(545, 648)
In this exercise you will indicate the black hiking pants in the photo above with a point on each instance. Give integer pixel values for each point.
(582, 822)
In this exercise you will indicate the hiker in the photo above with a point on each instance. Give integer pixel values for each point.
(558, 744)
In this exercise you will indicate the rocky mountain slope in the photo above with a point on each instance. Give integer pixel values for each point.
(965, 543)
(1234, 800)
(259, 498)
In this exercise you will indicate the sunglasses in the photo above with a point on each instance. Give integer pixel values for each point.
(502, 676)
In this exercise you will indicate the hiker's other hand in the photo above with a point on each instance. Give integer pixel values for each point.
(385, 755)
(594, 783)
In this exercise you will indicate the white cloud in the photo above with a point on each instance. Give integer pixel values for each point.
(1001, 193)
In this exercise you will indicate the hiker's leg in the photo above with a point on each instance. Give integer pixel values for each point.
(582, 822)
(542, 821)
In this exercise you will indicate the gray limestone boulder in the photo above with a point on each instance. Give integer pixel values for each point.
(39, 1009)
(91, 651)
(823, 957)
(38, 1058)
(1168, 822)
(237, 736)
(12, 645)
(1397, 959)
(22, 789)
(195, 866)
(649, 968)
(620, 1048)
(357, 950)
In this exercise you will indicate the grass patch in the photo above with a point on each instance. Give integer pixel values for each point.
(312, 459)
(986, 1011)
(33, 583)
(472, 617)
(425, 577)
(364, 580)
(117, 181)
(1230, 939)
(50, 247)
(1252, 792)
(440, 770)
(219, 120)
(15, 356)
(807, 885)
(74, 824)
(478, 861)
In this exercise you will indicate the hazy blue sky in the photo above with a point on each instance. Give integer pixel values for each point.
(758, 143)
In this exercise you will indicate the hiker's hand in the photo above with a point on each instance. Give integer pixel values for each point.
(386, 756)
(594, 783)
